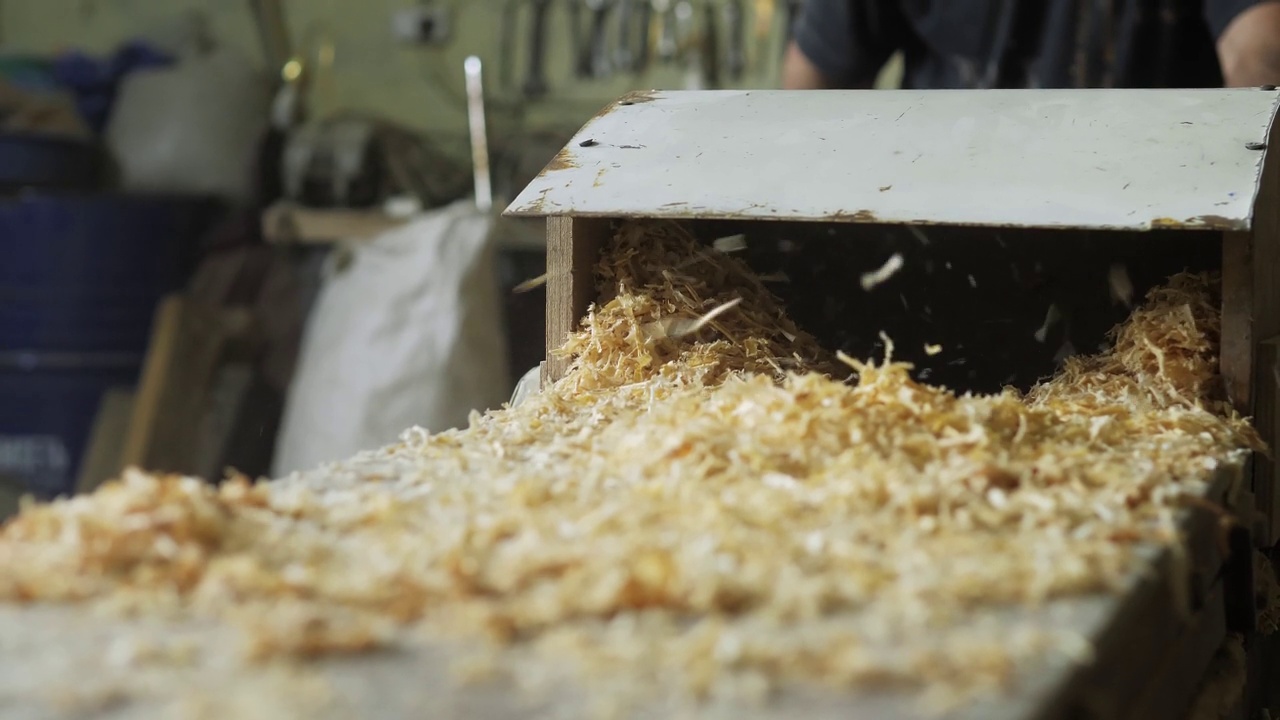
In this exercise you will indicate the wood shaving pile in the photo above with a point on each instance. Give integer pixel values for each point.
(711, 511)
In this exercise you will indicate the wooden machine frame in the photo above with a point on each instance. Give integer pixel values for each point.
(1092, 161)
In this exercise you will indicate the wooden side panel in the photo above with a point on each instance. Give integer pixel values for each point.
(573, 246)
(1237, 348)
(1266, 406)
(1266, 247)
(1265, 267)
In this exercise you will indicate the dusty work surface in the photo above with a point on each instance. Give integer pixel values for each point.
(70, 663)
(703, 517)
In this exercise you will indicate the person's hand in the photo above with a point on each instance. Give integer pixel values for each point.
(1249, 49)
(799, 72)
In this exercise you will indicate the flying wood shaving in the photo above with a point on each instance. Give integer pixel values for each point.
(680, 327)
(1052, 317)
(889, 269)
(1120, 285)
(708, 515)
(731, 244)
(531, 284)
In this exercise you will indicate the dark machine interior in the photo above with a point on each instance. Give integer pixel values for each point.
(1004, 306)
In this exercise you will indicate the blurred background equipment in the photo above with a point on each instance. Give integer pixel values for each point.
(407, 331)
(80, 277)
(185, 187)
(193, 127)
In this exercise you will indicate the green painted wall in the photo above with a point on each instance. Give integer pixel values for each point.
(370, 72)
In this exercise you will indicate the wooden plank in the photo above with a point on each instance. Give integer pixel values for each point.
(1175, 675)
(1147, 655)
(573, 247)
(106, 441)
(187, 345)
(1166, 626)
(286, 222)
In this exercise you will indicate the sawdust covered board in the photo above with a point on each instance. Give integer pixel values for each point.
(698, 519)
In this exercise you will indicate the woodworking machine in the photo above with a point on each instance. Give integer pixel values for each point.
(1025, 224)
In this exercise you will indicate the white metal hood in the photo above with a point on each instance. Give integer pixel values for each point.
(1086, 159)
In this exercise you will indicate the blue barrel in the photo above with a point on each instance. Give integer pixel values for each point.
(80, 279)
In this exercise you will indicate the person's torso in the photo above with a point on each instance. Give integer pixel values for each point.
(1057, 44)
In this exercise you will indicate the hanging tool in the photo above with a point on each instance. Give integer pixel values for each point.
(580, 44)
(624, 56)
(736, 27)
(535, 82)
(479, 140)
(664, 21)
(507, 43)
(709, 47)
(632, 53)
(594, 63)
(273, 32)
(641, 60)
(685, 30)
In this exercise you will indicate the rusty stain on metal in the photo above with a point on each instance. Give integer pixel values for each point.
(599, 177)
(860, 216)
(564, 160)
(1216, 222)
(1199, 222)
(636, 97)
(537, 205)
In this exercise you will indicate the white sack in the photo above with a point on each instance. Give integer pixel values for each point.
(191, 128)
(409, 332)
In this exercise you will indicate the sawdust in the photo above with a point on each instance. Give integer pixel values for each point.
(718, 511)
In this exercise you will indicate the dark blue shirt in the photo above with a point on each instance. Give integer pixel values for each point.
(1019, 43)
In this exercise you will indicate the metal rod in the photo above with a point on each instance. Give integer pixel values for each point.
(479, 141)
(273, 32)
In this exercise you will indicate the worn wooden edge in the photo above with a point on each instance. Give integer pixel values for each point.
(1164, 630)
(573, 248)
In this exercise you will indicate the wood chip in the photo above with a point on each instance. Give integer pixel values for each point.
(889, 269)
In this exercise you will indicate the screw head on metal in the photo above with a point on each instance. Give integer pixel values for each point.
(1255, 146)
(1267, 87)
(587, 143)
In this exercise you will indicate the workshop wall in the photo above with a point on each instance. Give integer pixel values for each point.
(367, 68)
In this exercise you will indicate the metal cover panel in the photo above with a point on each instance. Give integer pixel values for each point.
(1104, 159)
